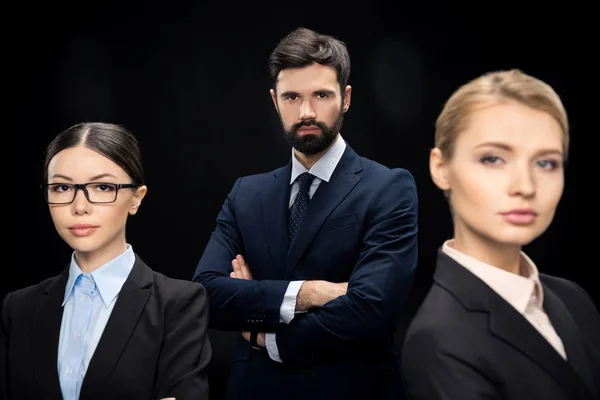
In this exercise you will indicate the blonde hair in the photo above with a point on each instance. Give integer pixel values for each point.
(491, 88)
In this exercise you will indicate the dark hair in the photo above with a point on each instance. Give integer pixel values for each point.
(112, 141)
(303, 47)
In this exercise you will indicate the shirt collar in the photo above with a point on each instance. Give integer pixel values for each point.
(324, 167)
(109, 278)
(517, 290)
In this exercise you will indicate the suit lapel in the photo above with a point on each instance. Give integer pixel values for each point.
(571, 337)
(46, 326)
(327, 197)
(274, 208)
(511, 327)
(123, 319)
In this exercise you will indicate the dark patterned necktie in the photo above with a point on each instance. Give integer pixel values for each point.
(300, 205)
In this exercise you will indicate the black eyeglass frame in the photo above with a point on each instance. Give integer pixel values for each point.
(83, 186)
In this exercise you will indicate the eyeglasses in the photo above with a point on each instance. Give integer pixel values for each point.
(95, 192)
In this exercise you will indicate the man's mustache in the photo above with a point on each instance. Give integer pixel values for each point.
(318, 124)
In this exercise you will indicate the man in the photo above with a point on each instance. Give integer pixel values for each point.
(314, 261)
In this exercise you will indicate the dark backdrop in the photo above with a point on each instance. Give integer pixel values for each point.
(191, 82)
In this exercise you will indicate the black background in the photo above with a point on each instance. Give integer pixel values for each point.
(191, 82)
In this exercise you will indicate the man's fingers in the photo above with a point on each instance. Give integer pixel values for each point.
(244, 269)
(237, 270)
(241, 270)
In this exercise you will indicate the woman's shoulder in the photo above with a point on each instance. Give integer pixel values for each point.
(167, 288)
(564, 287)
(575, 298)
(170, 281)
(176, 287)
(33, 290)
(23, 297)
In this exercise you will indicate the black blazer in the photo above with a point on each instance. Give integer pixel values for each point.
(154, 344)
(466, 342)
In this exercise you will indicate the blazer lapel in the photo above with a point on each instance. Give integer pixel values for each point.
(327, 197)
(274, 208)
(571, 337)
(514, 329)
(47, 320)
(511, 327)
(123, 319)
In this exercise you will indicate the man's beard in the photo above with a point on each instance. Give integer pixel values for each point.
(310, 144)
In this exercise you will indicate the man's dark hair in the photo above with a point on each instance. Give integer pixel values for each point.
(303, 47)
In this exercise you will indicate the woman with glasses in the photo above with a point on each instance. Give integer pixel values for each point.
(108, 326)
(492, 326)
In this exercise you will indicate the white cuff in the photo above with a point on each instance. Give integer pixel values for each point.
(271, 345)
(287, 311)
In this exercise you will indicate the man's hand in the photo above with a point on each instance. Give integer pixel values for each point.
(260, 338)
(311, 294)
(317, 293)
(241, 270)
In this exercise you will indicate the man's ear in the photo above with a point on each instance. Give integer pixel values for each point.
(438, 168)
(347, 96)
(274, 98)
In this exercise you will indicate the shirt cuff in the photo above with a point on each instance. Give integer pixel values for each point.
(287, 311)
(271, 345)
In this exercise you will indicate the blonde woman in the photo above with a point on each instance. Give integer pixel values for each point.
(492, 326)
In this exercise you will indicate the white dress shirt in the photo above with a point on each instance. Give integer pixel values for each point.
(322, 171)
(87, 306)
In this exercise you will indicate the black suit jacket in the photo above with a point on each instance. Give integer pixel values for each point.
(360, 228)
(154, 344)
(466, 342)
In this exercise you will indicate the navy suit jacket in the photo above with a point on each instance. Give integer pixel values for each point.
(360, 228)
